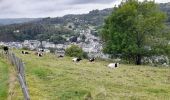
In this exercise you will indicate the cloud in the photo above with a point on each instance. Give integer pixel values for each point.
(162, 1)
(52, 8)
(91, 1)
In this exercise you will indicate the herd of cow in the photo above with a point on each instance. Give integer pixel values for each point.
(40, 53)
(76, 59)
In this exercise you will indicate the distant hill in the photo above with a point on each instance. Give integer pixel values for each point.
(51, 28)
(48, 28)
(94, 18)
(9, 21)
(166, 8)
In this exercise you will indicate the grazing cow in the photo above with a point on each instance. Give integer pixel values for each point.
(5, 49)
(40, 54)
(60, 56)
(92, 59)
(113, 65)
(25, 52)
(41, 50)
(76, 59)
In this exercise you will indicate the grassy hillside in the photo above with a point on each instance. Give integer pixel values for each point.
(9, 85)
(51, 78)
(3, 80)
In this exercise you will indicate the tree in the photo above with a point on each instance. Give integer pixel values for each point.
(75, 51)
(131, 28)
(57, 39)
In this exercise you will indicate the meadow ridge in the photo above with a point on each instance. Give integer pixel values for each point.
(52, 78)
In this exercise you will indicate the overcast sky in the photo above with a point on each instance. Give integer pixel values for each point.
(52, 8)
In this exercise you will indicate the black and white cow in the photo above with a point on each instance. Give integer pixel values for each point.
(92, 59)
(76, 59)
(60, 56)
(5, 49)
(113, 65)
(25, 52)
(40, 54)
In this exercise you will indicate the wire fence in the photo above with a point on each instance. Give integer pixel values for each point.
(19, 67)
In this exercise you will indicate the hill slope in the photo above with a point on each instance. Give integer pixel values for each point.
(54, 78)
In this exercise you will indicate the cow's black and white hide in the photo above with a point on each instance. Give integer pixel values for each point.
(40, 54)
(25, 52)
(60, 56)
(113, 65)
(92, 59)
(40, 50)
(76, 59)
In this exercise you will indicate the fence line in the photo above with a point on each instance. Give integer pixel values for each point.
(19, 67)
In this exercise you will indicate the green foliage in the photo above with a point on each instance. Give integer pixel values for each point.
(128, 30)
(57, 39)
(25, 48)
(52, 50)
(85, 55)
(75, 51)
(31, 31)
(167, 50)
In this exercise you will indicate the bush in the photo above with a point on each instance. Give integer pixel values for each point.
(25, 48)
(57, 39)
(75, 51)
(52, 50)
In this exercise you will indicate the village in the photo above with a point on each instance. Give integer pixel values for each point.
(90, 44)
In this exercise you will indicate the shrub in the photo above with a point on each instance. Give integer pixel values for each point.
(75, 51)
(52, 50)
(25, 48)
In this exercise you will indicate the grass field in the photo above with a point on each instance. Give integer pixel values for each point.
(51, 78)
(3, 80)
(9, 85)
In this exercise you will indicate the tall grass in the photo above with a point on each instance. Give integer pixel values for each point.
(3, 80)
(52, 78)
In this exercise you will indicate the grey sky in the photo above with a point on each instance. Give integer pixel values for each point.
(52, 8)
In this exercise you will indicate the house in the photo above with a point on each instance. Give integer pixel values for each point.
(60, 46)
(17, 45)
(46, 44)
(31, 44)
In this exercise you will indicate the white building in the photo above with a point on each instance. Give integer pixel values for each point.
(31, 44)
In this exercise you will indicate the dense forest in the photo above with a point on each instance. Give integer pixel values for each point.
(53, 29)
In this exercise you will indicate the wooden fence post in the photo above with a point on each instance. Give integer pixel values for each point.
(19, 67)
(24, 87)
